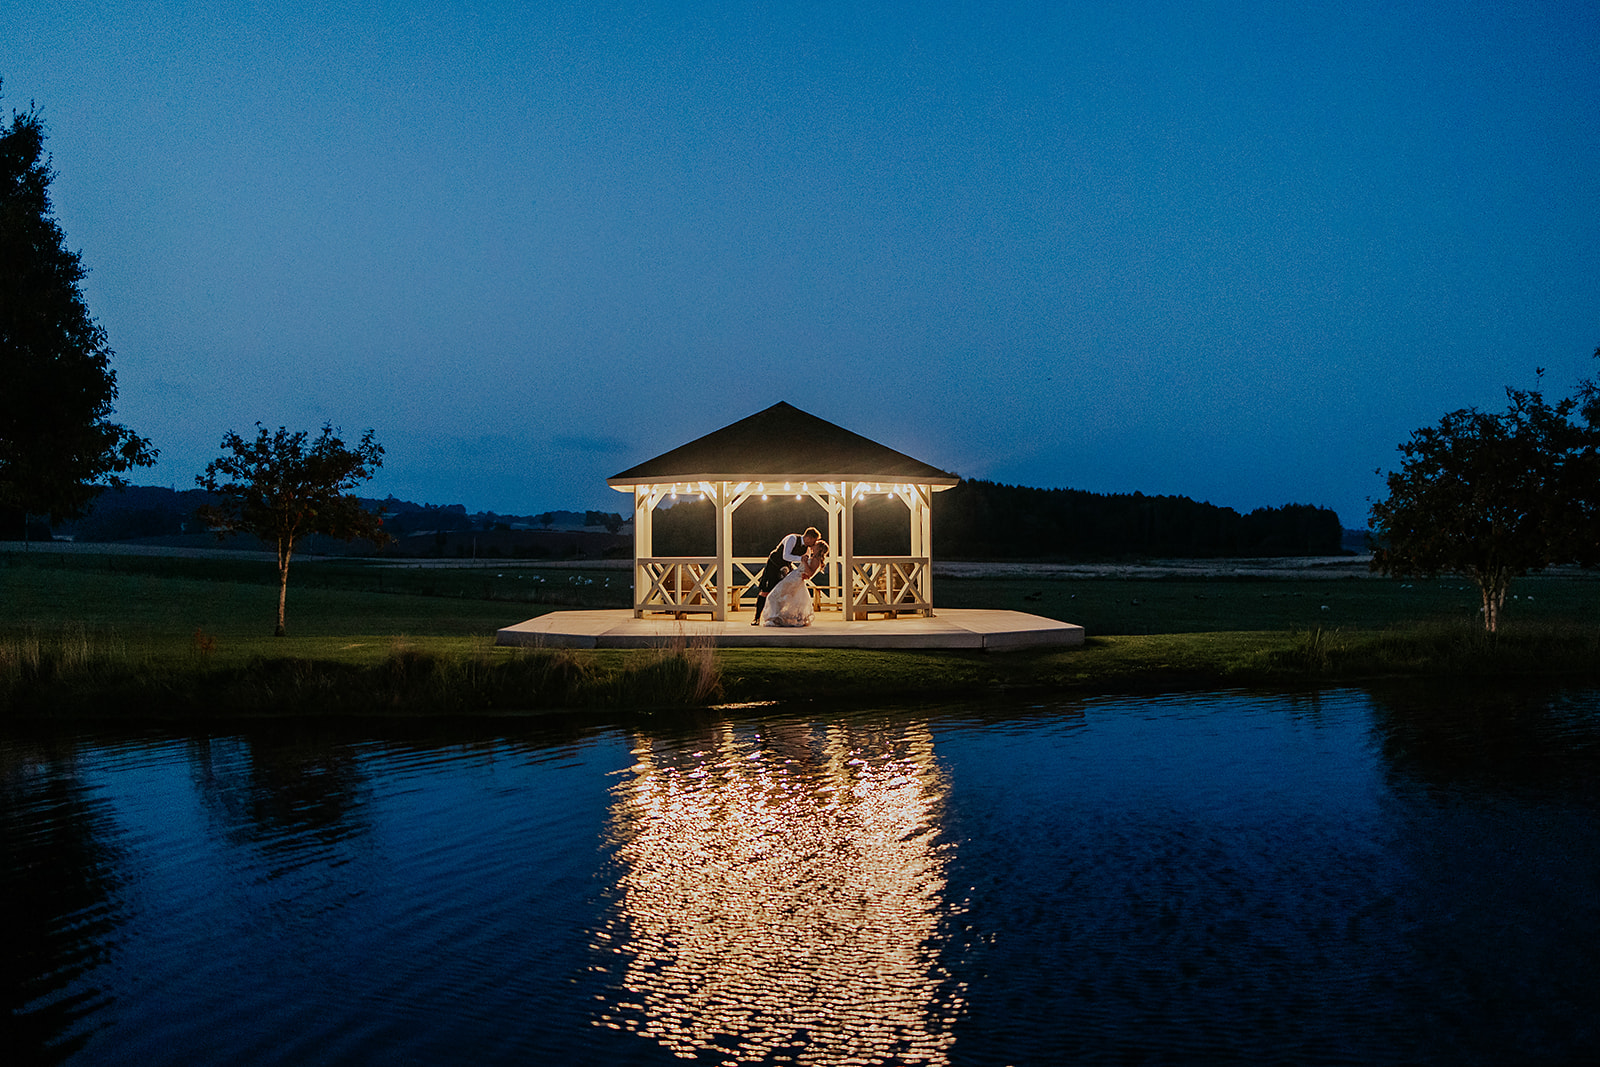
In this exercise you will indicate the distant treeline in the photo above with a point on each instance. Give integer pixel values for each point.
(166, 515)
(974, 520)
(688, 528)
(987, 520)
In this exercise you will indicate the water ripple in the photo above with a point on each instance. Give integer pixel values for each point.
(779, 893)
(1334, 877)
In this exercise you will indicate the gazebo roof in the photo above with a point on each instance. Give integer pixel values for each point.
(782, 442)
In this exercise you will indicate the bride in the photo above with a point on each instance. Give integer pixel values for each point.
(789, 603)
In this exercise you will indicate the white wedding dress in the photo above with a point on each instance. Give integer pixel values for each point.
(789, 603)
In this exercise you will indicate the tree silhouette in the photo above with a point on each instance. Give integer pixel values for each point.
(280, 489)
(58, 447)
(1492, 495)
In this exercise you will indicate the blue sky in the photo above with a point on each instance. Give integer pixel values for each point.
(1234, 251)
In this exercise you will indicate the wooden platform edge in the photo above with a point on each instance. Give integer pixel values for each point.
(988, 630)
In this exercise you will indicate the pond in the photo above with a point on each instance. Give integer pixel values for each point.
(1337, 877)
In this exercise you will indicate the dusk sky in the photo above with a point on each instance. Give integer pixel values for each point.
(1233, 251)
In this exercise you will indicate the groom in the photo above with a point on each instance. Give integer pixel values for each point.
(790, 551)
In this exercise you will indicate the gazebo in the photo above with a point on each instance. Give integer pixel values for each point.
(783, 450)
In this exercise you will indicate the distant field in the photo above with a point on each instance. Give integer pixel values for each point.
(171, 595)
(1108, 606)
(152, 634)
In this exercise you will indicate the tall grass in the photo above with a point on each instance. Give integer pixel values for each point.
(1446, 649)
(683, 673)
(74, 672)
(33, 657)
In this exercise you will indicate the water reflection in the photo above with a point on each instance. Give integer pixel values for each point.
(62, 898)
(1492, 822)
(1488, 736)
(780, 894)
(280, 790)
(1225, 877)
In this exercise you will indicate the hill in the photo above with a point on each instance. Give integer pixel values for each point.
(158, 515)
(979, 520)
(976, 520)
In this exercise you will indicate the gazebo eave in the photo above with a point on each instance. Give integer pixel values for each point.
(628, 485)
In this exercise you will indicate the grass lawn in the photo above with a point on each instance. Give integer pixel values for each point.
(101, 632)
(1112, 606)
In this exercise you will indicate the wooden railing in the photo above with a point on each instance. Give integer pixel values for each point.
(747, 575)
(892, 585)
(680, 585)
(676, 584)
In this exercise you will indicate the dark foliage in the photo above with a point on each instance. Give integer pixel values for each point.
(1495, 495)
(688, 527)
(58, 447)
(138, 512)
(985, 520)
(281, 489)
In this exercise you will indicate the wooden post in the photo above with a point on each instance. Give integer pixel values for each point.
(835, 547)
(644, 505)
(725, 582)
(924, 520)
(849, 552)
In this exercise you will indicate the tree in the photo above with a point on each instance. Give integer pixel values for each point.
(280, 489)
(58, 447)
(1493, 496)
(609, 519)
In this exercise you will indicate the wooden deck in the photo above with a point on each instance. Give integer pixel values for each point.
(992, 631)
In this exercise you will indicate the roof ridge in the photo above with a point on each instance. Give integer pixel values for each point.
(814, 449)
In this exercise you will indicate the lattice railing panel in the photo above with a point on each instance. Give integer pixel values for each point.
(890, 584)
(678, 584)
(747, 575)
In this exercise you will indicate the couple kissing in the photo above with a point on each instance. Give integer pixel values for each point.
(782, 597)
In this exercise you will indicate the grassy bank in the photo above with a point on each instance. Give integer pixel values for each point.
(125, 635)
(74, 672)
(1173, 661)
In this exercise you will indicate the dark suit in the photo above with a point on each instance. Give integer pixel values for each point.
(778, 565)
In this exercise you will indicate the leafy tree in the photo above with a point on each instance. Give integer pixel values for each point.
(1493, 495)
(280, 489)
(58, 447)
(609, 519)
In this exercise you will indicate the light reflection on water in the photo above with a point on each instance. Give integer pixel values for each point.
(782, 893)
(1405, 876)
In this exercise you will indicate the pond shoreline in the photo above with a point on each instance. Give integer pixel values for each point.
(123, 637)
(416, 680)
